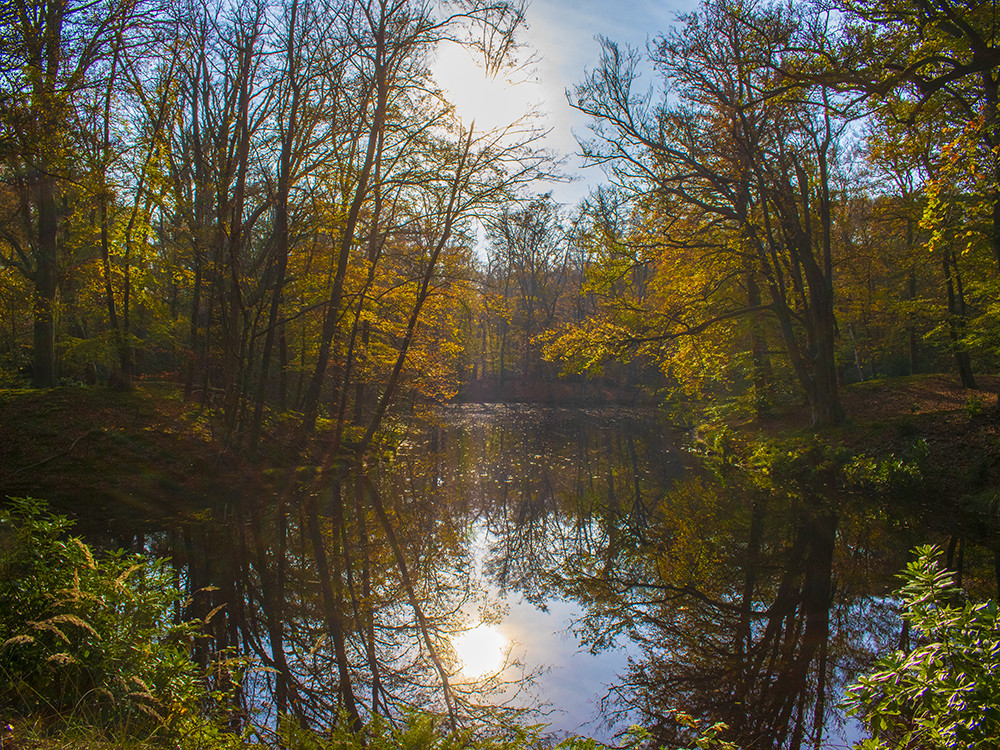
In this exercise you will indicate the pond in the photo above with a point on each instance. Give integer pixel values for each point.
(588, 568)
(542, 486)
(635, 585)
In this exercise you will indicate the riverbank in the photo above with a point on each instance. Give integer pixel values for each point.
(920, 443)
(148, 453)
(930, 402)
(139, 455)
(960, 427)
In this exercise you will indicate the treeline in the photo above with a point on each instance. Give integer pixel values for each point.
(277, 206)
(809, 195)
(272, 201)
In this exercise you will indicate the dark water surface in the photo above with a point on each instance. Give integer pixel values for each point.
(623, 576)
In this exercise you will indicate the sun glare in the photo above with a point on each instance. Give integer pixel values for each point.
(481, 650)
(490, 102)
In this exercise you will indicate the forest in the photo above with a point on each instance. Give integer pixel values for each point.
(272, 209)
(275, 206)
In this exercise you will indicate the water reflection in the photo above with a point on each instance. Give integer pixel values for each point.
(737, 599)
(481, 650)
(348, 598)
(727, 596)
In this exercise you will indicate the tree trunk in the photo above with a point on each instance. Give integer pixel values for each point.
(46, 280)
(956, 319)
(331, 315)
(758, 351)
(911, 295)
(333, 616)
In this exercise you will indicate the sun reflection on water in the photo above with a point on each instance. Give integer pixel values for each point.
(481, 651)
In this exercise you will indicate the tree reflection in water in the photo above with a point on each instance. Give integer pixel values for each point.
(744, 599)
(747, 601)
(733, 617)
(348, 598)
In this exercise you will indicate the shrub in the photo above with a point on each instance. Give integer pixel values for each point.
(974, 406)
(88, 639)
(945, 692)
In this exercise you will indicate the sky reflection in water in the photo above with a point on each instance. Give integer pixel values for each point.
(570, 680)
(569, 503)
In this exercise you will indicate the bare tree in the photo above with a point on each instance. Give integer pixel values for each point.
(528, 251)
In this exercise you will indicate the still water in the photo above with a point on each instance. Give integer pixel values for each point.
(540, 486)
(586, 568)
(635, 583)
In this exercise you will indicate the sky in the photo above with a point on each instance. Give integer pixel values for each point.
(562, 35)
(570, 681)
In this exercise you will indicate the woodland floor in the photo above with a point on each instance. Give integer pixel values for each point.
(887, 418)
(137, 455)
(884, 415)
(940, 396)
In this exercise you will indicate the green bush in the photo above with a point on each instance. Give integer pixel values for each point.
(88, 640)
(423, 731)
(945, 692)
(415, 731)
(974, 406)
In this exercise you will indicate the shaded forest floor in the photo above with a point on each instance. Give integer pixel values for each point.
(148, 454)
(883, 415)
(888, 417)
(961, 426)
(930, 398)
(145, 454)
